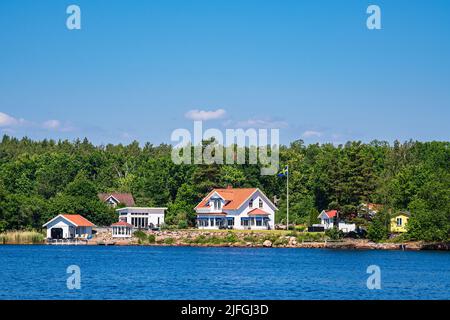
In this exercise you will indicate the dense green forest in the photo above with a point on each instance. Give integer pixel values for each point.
(40, 179)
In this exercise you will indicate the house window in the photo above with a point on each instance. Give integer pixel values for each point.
(260, 203)
(250, 203)
(258, 222)
(217, 204)
(244, 222)
(399, 222)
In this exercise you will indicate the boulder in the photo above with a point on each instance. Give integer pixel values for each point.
(267, 243)
(292, 241)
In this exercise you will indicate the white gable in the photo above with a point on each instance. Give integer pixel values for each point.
(59, 220)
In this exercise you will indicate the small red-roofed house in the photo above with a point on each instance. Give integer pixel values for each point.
(236, 208)
(69, 226)
(121, 229)
(329, 219)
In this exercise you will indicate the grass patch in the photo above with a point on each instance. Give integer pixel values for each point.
(311, 236)
(22, 237)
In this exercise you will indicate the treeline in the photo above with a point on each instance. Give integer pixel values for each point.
(40, 179)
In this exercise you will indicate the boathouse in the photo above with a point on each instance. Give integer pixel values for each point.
(69, 226)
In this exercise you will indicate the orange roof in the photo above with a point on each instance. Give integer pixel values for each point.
(331, 213)
(258, 212)
(234, 198)
(80, 221)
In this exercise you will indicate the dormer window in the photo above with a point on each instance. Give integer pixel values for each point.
(260, 203)
(216, 203)
(250, 203)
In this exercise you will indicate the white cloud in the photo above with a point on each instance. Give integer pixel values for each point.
(8, 121)
(311, 134)
(204, 115)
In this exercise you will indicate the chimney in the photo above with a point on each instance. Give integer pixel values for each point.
(229, 186)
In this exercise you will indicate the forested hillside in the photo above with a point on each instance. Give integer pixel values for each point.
(41, 179)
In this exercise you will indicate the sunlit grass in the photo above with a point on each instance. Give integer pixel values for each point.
(22, 237)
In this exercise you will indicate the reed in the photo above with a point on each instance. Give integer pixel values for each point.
(22, 237)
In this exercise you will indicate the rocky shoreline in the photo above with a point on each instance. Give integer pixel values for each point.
(258, 240)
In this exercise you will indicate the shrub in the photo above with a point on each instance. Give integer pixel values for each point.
(141, 235)
(231, 237)
(169, 241)
(377, 230)
(182, 224)
(334, 234)
(151, 238)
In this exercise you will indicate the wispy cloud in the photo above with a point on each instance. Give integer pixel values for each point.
(52, 124)
(8, 123)
(312, 134)
(257, 124)
(57, 125)
(204, 115)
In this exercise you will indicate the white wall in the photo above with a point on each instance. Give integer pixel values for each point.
(67, 227)
(126, 214)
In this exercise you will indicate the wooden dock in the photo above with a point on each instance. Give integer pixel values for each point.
(69, 242)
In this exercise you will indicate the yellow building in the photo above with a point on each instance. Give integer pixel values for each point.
(399, 222)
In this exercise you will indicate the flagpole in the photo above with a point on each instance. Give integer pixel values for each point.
(287, 197)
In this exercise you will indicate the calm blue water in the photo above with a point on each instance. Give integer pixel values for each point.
(39, 272)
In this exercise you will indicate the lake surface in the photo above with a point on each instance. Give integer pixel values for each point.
(39, 272)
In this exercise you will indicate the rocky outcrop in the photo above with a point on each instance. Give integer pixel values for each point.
(257, 239)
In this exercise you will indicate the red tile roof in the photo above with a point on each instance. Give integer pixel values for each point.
(331, 213)
(234, 198)
(257, 212)
(212, 214)
(78, 220)
(121, 224)
(125, 198)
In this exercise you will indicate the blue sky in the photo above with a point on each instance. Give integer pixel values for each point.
(140, 69)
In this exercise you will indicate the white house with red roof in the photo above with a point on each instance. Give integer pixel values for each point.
(69, 226)
(330, 218)
(236, 208)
